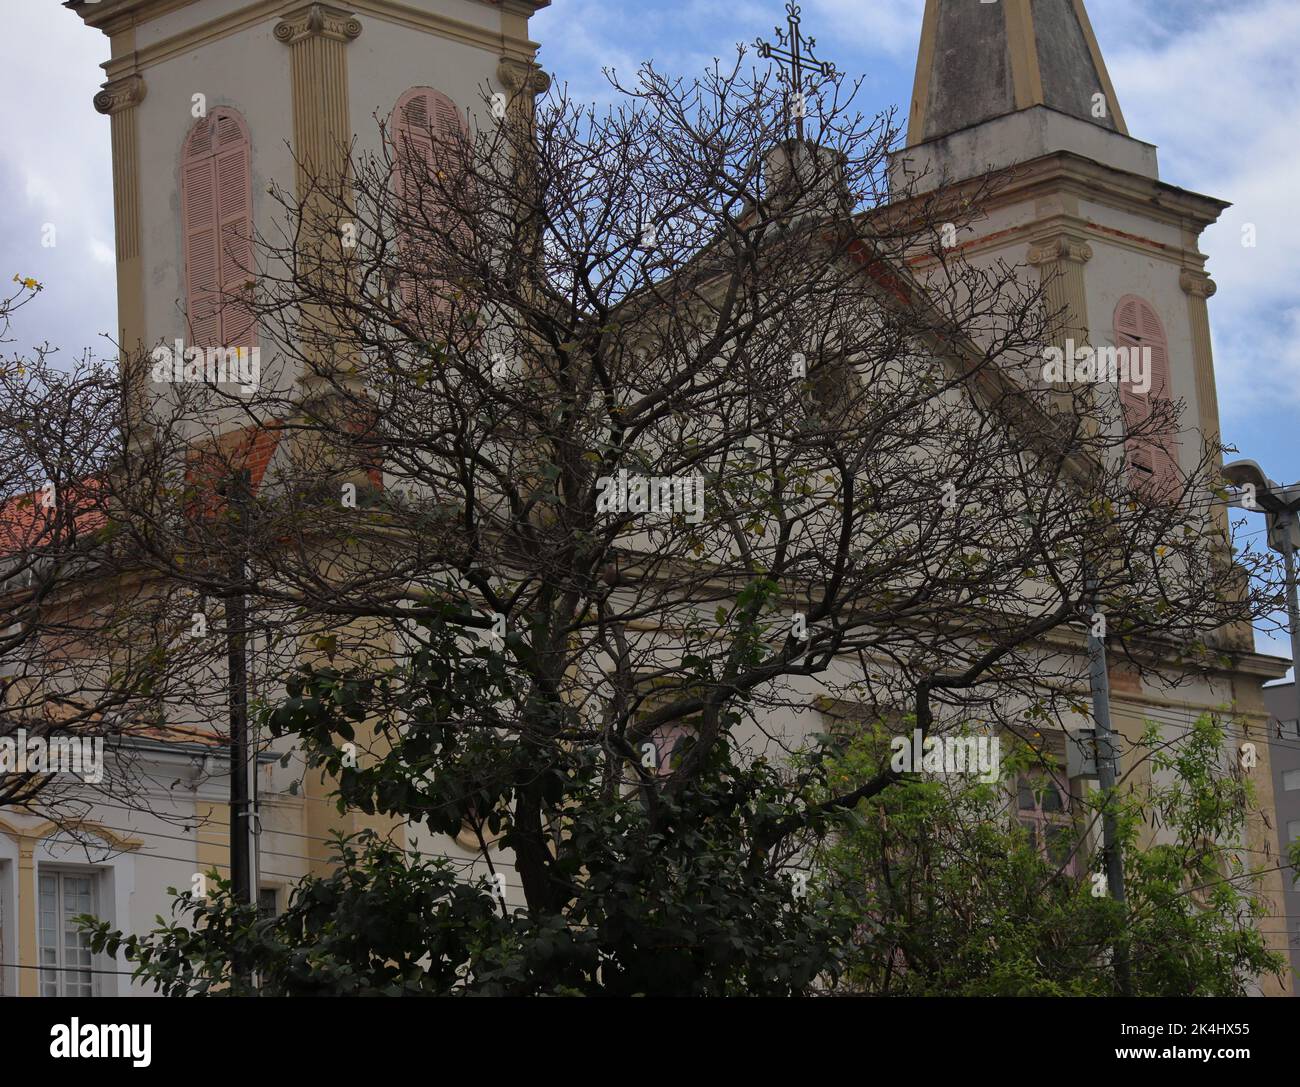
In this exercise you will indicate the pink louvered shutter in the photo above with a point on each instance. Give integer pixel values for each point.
(234, 206)
(1137, 325)
(449, 155)
(415, 163)
(428, 131)
(448, 130)
(199, 214)
(414, 141)
(217, 199)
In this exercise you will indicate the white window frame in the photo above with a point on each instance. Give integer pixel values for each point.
(1038, 820)
(62, 975)
(114, 871)
(272, 889)
(9, 870)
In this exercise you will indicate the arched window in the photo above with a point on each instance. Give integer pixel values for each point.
(672, 744)
(661, 750)
(429, 143)
(1044, 811)
(217, 213)
(1138, 326)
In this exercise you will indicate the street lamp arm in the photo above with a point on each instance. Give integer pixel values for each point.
(1241, 472)
(1268, 495)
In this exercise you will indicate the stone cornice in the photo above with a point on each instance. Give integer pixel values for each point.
(317, 21)
(1064, 171)
(120, 94)
(232, 22)
(1065, 175)
(109, 14)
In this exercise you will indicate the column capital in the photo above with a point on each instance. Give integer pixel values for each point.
(119, 94)
(1061, 247)
(317, 21)
(1197, 283)
(521, 75)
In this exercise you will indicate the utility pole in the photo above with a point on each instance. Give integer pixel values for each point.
(236, 635)
(1285, 529)
(1281, 506)
(1106, 762)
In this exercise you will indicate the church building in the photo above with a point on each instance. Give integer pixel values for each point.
(208, 101)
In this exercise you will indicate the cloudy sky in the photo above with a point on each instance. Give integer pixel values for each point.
(1213, 83)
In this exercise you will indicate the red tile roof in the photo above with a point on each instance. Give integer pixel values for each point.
(26, 524)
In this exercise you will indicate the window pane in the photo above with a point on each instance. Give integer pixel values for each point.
(78, 899)
(1026, 796)
(49, 931)
(1291, 780)
(1058, 844)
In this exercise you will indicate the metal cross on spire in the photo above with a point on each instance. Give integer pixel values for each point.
(794, 49)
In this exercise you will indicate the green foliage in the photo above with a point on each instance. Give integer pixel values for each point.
(931, 887)
(672, 911)
(381, 924)
(959, 900)
(650, 893)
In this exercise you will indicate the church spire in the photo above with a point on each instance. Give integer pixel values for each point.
(979, 61)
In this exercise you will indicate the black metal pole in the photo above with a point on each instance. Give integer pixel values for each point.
(1284, 523)
(236, 623)
(1100, 683)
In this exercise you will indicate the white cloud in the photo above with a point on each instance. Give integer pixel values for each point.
(55, 167)
(102, 253)
(1218, 94)
(889, 26)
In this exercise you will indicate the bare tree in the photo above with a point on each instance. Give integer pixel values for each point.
(650, 403)
(77, 660)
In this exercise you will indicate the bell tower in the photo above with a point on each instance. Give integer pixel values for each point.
(214, 102)
(1019, 90)
(296, 80)
(1040, 53)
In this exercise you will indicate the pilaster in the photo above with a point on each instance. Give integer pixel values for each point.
(1060, 258)
(118, 100)
(1199, 289)
(317, 36)
(28, 978)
